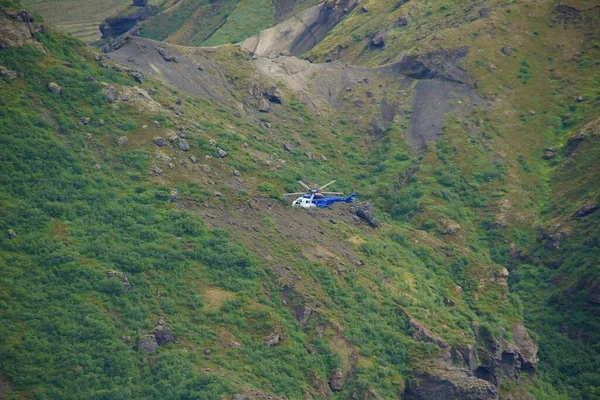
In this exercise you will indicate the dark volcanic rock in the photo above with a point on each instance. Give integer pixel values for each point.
(378, 40)
(163, 336)
(586, 210)
(448, 384)
(118, 25)
(442, 64)
(365, 211)
(566, 15)
(159, 141)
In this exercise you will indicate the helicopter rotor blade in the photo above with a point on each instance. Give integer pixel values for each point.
(324, 186)
(340, 193)
(304, 185)
(294, 194)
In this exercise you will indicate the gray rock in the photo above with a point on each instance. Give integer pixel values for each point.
(159, 141)
(236, 173)
(549, 153)
(336, 382)
(175, 195)
(156, 170)
(585, 210)
(402, 21)
(221, 153)
(121, 276)
(193, 159)
(364, 9)
(273, 339)
(148, 344)
(7, 73)
(85, 121)
(121, 141)
(184, 145)
(506, 50)
(274, 95)
(178, 109)
(333, 221)
(365, 212)
(528, 349)
(100, 122)
(11, 234)
(287, 147)
(264, 105)
(110, 94)
(378, 40)
(137, 76)
(54, 88)
(449, 383)
(163, 336)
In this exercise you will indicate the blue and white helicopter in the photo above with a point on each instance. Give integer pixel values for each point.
(316, 198)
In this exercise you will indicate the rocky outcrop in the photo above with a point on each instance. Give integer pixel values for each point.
(365, 212)
(120, 24)
(449, 383)
(299, 33)
(586, 210)
(121, 276)
(148, 344)
(163, 337)
(441, 64)
(8, 73)
(500, 359)
(18, 28)
(336, 382)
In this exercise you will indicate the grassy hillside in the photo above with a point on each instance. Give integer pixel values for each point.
(109, 242)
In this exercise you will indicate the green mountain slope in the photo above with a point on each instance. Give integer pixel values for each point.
(147, 251)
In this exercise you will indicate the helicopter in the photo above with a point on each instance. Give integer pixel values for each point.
(314, 197)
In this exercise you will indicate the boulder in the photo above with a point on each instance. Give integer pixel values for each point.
(159, 141)
(402, 21)
(264, 105)
(506, 50)
(163, 336)
(549, 153)
(121, 276)
(378, 40)
(365, 212)
(110, 94)
(137, 76)
(274, 95)
(148, 344)
(273, 339)
(121, 141)
(11, 234)
(184, 145)
(7, 73)
(221, 153)
(336, 382)
(54, 88)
